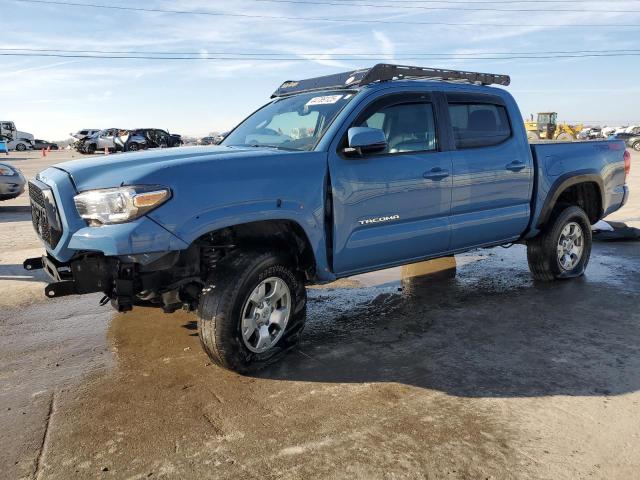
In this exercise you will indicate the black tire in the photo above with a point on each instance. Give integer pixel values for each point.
(221, 303)
(21, 147)
(9, 196)
(91, 149)
(636, 146)
(542, 251)
(133, 147)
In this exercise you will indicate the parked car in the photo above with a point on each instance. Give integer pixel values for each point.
(80, 136)
(627, 133)
(20, 145)
(592, 133)
(633, 142)
(99, 141)
(207, 141)
(87, 132)
(12, 182)
(336, 176)
(144, 138)
(40, 144)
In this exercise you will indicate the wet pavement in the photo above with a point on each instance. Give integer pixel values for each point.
(455, 368)
(460, 368)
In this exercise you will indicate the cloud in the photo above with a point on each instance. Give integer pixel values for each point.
(175, 91)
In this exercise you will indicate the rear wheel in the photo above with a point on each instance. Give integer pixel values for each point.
(21, 147)
(252, 312)
(133, 147)
(636, 146)
(563, 248)
(91, 148)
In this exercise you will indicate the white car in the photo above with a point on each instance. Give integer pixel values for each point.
(20, 144)
(87, 132)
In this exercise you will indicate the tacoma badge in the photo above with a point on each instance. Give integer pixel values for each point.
(369, 221)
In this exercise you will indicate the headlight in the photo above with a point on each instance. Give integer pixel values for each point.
(6, 171)
(119, 205)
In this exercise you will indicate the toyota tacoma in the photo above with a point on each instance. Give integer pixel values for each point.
(335, 176)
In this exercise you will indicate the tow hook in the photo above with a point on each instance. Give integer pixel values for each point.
(60, 289)
(33, 264)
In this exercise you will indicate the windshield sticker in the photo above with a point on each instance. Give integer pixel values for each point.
(326, 100)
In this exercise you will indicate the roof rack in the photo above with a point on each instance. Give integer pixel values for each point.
(383, 72)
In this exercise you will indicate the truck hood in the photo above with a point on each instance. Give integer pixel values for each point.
(131, 168)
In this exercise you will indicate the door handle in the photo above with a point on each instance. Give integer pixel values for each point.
(436, 174)
(516, 166)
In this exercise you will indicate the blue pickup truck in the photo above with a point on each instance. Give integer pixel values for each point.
(335, 176)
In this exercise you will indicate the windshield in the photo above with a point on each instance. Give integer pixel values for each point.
(290, 123)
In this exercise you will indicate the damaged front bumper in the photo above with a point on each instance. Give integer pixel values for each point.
(164, 279)
(86, 274)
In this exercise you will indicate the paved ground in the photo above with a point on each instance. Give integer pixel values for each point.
(448, 369)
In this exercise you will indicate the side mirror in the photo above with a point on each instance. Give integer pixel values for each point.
(364, 140)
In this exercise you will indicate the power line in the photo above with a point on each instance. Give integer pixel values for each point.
(327, 19)
(307, 59)
(337, 56)
(431, 8)
(457, 2)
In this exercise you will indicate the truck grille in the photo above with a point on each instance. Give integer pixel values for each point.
(44, 214)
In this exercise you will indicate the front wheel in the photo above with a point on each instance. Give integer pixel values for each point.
(563, 248)
(636, 146)
(252, 312)
(21, 147)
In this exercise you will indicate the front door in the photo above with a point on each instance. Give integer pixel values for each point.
(392, 207)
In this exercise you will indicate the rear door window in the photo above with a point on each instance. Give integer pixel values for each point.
(478, 125)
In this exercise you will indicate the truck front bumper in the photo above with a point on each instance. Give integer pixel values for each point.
(87, 274)
(121, 279)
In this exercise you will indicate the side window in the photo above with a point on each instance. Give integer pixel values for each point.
(408, 127)
(479, 125)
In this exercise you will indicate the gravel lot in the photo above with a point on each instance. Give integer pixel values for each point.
(447, 369)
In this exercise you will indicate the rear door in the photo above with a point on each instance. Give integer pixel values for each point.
(392, 207)
(492, 172)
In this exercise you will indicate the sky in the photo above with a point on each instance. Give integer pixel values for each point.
(51, 97)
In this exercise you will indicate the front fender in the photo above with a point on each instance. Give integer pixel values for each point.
(218, 218)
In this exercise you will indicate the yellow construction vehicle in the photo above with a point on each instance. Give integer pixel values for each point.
(548, 128)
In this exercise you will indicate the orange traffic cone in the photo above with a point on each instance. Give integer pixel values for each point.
(44, 152)
(106, 150)
(48, 148)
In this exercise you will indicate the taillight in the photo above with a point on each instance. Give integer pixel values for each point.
(627, 163)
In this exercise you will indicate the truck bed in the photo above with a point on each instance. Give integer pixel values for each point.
(558, 164)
